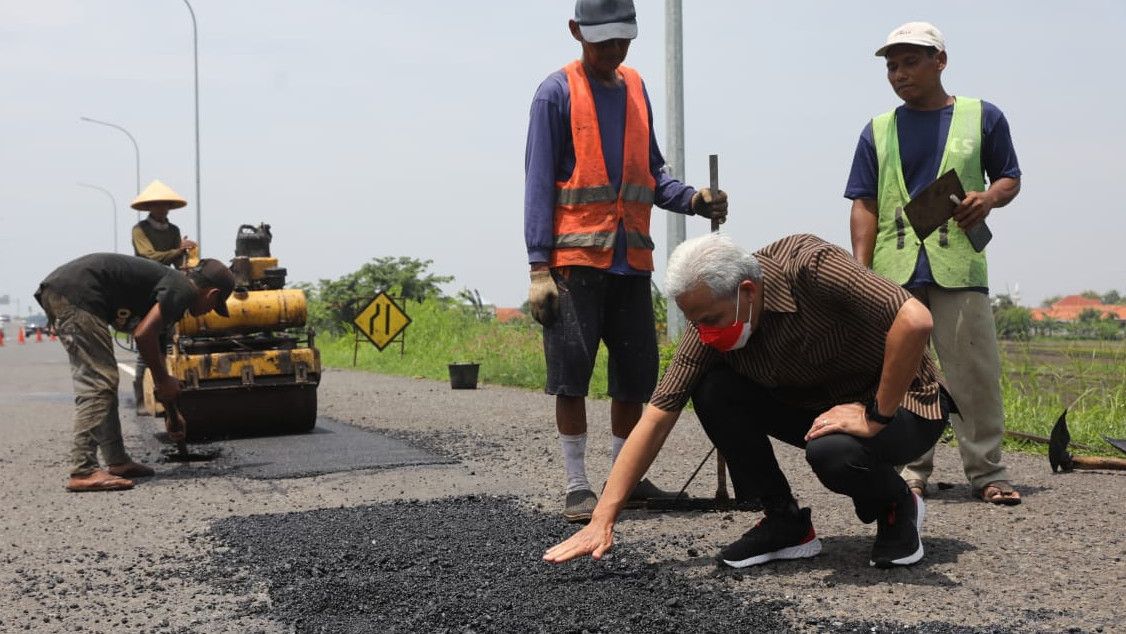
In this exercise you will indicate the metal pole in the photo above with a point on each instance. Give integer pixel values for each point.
(674, 155)
(195, 58)
(112, 200)
(136, 150)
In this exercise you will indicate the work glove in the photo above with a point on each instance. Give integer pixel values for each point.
(710, 204)
(543, 297)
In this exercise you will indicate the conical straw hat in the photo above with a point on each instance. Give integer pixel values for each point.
(158, 195)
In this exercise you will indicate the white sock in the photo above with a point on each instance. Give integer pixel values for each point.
(615, 448)
(574, 460)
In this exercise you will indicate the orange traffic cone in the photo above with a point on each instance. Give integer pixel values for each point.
(53, 337)
(1, 337)
(38, 335)
(20, 336)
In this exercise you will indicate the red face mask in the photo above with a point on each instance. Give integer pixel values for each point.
(730, 337)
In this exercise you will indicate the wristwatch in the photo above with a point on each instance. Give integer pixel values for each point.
(872, 411)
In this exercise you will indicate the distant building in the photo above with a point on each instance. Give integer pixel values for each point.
(1069, 308)
(505, 315)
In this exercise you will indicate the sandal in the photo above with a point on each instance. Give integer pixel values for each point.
(97, 480)
(918, 487)
(998, 492)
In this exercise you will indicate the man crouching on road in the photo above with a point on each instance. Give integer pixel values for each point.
(82, 298)
(800, 342)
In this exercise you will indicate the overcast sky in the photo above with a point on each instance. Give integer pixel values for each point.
(361, 129)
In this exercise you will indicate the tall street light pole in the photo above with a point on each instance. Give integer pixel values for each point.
(674, 105)
(195, 57)
(136, 149)
(112, 200)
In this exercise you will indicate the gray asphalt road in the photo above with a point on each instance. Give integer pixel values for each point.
(184, 552)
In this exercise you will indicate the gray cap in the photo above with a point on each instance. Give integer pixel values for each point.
(601, 20)
(215, 274)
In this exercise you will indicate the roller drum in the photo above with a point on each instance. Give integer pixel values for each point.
(253, 311)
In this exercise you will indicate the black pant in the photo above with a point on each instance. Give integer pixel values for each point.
(739, 417)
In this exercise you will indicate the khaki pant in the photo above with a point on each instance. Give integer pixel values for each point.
(93, 367)
(965, 340)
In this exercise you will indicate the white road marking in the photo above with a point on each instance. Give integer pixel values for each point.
(128, 369)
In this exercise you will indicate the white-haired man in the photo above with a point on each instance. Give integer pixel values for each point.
(798, 342)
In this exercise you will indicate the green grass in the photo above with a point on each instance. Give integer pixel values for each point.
(1039, 378)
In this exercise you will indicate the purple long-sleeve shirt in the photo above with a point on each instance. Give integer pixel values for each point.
(550, 157)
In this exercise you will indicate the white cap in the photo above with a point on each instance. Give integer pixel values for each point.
(915, 33)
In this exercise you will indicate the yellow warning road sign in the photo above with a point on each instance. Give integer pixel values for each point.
(381, 320)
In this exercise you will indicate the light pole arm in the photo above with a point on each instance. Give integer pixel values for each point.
(136, 148)
(114, 202)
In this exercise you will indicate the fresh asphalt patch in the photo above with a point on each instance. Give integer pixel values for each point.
(470, 564)
(331, 447)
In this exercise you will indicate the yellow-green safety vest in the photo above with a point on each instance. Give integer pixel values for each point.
(953, 261)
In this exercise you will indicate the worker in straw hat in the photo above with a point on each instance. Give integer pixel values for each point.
(156, 239)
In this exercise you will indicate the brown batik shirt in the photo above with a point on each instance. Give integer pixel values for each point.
(820, 339)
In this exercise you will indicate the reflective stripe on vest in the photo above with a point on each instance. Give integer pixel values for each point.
(587, 209)
(953, 261)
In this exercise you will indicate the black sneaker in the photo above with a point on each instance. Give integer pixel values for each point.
(776, 536)
(897, 533)
(579, 505)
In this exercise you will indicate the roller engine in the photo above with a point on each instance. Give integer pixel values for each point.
(257, 371)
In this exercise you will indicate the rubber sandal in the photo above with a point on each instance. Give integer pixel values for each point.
(131, 470)
(1002, 496)
(918, 487)
(97, 480)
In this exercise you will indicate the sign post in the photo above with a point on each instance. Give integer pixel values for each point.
(382, 322)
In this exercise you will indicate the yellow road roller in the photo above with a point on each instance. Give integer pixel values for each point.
(256, 371)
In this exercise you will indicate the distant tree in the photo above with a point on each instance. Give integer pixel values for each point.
(335, 303)
(471, 299)
(1112, 297)
(1091, 295)
(1046, 326)
(1013, 322)
(1001, 301)
(1089, 316)
(1048, 301)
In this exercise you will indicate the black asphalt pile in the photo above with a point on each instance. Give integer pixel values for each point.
(472, 564)
(456, 565)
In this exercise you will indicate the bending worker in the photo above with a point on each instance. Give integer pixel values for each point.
(594, 171)
(82, 298)
(801, 343)
(899, 153)
(156, 239)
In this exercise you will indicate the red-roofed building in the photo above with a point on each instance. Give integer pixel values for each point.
(505, 315)
(1069, 308)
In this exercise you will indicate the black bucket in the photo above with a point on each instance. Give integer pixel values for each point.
(463, 376)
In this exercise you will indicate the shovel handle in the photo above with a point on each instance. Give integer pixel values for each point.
(713, 173)
(1098, 462)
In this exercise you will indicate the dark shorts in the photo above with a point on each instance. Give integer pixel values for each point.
(598, 306)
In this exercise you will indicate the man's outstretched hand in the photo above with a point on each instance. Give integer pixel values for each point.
(595, 539)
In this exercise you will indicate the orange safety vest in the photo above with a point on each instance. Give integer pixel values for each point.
(587, 209)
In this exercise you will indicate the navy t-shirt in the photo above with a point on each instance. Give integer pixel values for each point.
(922, 139)
(550, 157)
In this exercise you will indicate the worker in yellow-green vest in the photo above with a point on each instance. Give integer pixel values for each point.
(899, 154)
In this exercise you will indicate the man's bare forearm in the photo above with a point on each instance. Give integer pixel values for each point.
(903, 351)
(863, 225)
(1003, 191)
